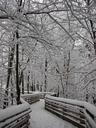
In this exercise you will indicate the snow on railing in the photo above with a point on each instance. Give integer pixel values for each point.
(80, 113)
(31, 98)
(16, 116)
(36, 96)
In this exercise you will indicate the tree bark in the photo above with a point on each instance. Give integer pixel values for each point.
(19, 2)
(46, 64)
(22, 82)
(9, 72)
(22, 75)
(28, 88)
(67, 74)
(92, 28)
(10, 64)
(17, 70)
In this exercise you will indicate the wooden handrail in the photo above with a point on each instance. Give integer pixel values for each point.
(79, 113)
(31, 98)
(16, 116)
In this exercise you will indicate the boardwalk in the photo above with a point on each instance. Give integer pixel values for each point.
(40, 118)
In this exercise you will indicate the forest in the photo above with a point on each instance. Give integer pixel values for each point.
(48, 46)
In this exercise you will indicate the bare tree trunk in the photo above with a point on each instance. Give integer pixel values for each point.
(22, 75)
(67, 74)
(17, 70)
(41, 86)
(46, 64)
(34, 83)
(58, 91)
(28, 88)
(32, 86)
(19, 2)
(9, 72)
(92, 28)
(12, 96)
(61, 79)
(62, 84)
(22, 82)
(94, 34)
(10, 64)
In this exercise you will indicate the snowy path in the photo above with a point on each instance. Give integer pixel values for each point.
(41, 118)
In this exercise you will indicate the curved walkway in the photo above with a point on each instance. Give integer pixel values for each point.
(40, 118)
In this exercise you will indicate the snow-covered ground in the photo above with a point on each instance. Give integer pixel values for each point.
(41, 118)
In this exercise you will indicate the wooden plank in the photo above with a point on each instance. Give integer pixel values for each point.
(77, 117)
(77, 114)
(67, 109)
(71, 120)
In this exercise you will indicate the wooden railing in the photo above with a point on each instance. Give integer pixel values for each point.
(43, 94)
(31, 98)
(16, 116)
(79, 113)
